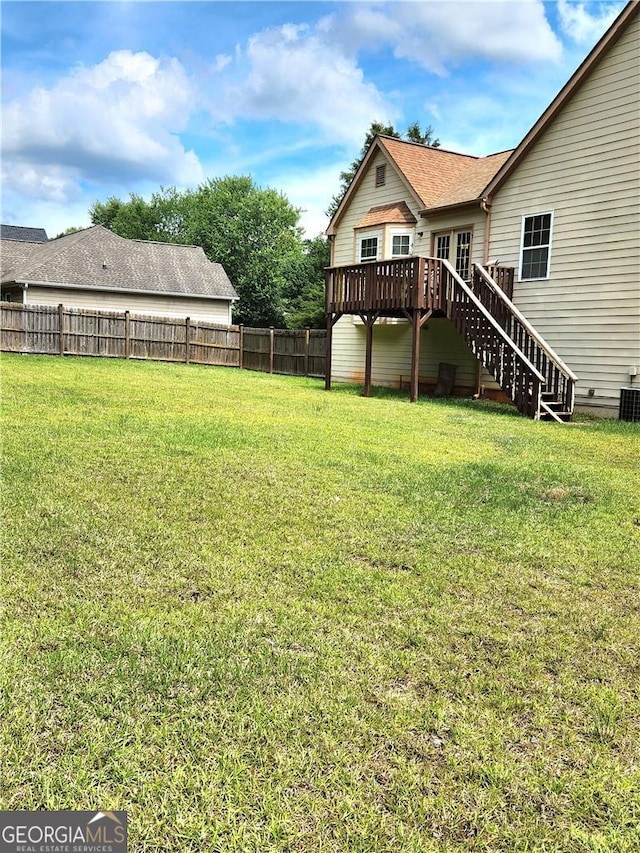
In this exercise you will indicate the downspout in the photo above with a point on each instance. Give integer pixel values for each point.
(485, 205)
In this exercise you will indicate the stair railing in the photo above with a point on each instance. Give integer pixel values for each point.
(559, 380)
(490, 343)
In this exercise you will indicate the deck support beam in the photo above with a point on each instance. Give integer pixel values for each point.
(368, 319)
(332, 319)
(417, 318)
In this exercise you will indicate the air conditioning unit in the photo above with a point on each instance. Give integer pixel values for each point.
(629, 404)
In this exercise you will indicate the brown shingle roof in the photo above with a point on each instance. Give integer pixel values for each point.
(473, 180)
(388, 214)
(430, 171)
(98, 258)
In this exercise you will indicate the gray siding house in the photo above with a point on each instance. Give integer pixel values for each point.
(97, 269)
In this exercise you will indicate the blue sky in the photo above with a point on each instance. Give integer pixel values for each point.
(108, 98)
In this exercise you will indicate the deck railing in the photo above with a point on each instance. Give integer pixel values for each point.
(523, 364)
(395, 285)
(559, 380)
(489, 342)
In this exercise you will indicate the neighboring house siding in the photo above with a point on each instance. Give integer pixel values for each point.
(205, 310)
(585, 169)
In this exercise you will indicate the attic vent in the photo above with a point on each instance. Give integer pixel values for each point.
(381, 175)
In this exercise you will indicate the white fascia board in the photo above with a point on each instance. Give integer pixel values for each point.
(102, 289)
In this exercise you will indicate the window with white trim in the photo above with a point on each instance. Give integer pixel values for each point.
(368, 248)
(443, 243)
(400, 245)
(535, 252)
(458, 242)
(381, 175)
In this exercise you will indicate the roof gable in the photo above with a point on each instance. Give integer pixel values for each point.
(429, 171)
(98, 258)
(434, 176)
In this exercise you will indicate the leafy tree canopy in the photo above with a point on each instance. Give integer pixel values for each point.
(253, 232)
(414, 133)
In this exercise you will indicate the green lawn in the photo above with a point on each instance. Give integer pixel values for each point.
(262, 617)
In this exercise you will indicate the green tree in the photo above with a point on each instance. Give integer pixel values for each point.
(253, 232)
(72, 229)
(161, 218)
(305, 289)
(413, 134)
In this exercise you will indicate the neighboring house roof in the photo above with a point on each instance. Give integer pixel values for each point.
(97, 258)
(628, 14)
(388, 214)
(18, 232)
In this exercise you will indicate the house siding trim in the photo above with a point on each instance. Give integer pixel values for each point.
(24, 283)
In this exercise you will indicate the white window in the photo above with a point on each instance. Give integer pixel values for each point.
(443, 244)
(463, 254)
(400, 245)
(460, 243)
(535, 252)
(368, 248)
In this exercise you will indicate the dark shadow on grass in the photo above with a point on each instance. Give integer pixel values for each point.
(380, 393)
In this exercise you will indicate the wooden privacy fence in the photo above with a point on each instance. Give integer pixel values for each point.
(51, 330)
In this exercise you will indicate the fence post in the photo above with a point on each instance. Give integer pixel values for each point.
(271, 348)
(127, 335)
(307, 335)
(61, 327)
(187, 333)
(241, 347)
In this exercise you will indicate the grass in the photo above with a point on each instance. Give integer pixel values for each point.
(260, 617)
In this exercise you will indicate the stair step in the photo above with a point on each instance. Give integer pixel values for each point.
(564, 416)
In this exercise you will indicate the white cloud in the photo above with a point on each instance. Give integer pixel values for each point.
(311, 190)
(116, 120)
(437, 36)
(295, 74)
(583, 27)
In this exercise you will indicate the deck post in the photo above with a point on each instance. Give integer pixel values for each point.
(415, 354)
(369, 320)
(327, 353)
(332, 319)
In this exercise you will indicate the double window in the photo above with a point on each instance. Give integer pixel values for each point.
(455, 246)
(535, 253)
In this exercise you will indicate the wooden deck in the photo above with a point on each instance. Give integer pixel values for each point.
(481, 310)
(393, 287)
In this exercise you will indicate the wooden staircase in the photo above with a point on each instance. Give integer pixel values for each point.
(416, 288)
(524, 365)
